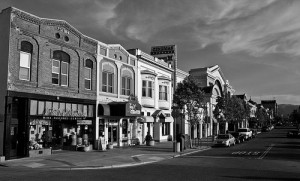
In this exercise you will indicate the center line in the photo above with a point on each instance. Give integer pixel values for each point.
(266, 152)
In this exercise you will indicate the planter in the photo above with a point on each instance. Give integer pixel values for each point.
(40, 152)
(150, 143)
(109, 146)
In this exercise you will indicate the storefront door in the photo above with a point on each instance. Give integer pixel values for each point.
(14, 140)
(112, 134)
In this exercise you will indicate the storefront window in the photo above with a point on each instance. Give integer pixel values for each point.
(48, 105)
(80, 108)
(74, 107)
(33, 107)
(62, 106)
(165, 129)
(55, 105)
(91, 111)
(41, 107)
(40, 134)
(85, 110)
(68, 107)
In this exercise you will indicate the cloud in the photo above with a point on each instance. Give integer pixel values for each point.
(258, 27)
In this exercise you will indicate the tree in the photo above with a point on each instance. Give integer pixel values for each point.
(231, 109)
(190, 98)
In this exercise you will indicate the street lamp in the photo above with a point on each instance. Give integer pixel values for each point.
(175, 115)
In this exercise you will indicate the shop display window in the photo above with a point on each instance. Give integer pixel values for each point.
(40, 134)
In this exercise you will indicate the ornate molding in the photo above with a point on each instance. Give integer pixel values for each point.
(27, 17)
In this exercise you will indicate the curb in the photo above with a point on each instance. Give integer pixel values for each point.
(129, 164)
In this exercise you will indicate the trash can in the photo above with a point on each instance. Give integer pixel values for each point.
(180, 140)
(178, 147)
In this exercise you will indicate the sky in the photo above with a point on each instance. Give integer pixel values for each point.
(256, 43)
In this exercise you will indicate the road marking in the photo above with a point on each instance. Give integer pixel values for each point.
(266, 152)
(210, 157)
(245, 153)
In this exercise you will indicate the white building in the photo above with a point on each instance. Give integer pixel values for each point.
(155, 95)
(117, 111)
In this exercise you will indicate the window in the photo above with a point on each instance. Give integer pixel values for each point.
(163, 92)
(147, 88)
(25, 60)
(107, 82)
(165, 129)
(126, 85)
(60, 68)
(88, 74)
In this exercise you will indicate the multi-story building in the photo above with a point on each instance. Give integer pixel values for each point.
(272, 106)
(214, 85)
(155, 96)
(118, 110)
(48, 78)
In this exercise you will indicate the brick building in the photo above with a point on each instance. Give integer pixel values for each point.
(48, 77)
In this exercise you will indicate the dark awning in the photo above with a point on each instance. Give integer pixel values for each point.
(125, 109)
(103, 110)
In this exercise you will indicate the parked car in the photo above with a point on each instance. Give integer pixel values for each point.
(239, 138)
(225, 140)
(293, 134)
(254, 132)
(265, 129)
(246, 132)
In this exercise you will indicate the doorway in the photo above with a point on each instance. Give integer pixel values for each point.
(112, 134)
(13, 141)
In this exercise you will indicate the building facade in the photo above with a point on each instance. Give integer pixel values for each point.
(155, 94)
(214, 84)
(48, 83)
(118, 108)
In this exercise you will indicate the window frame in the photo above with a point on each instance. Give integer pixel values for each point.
(147, 88)
(166, 130)
(88, 79)
(126, 87)
(57, 73)
(107, 86)
(163, 93)
(27, 68)
(61, 74)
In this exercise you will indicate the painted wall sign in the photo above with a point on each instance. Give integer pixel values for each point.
(65, 113)
(84, 122)
(167, 49)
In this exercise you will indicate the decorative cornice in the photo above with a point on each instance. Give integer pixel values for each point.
(89, 41)
(26, 17)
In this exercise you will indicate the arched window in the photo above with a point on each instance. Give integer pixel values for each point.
(88, 74)
(25, 60)
(127, 82)
(108, 76)
(60, 68)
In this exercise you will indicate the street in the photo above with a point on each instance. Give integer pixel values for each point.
(269, 156)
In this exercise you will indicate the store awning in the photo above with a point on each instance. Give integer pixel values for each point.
(167, 120)
(146, 119)
(103, 110)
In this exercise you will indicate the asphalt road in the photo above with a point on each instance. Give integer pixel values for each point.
(269, 156)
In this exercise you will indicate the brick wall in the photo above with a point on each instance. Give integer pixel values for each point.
(47, 36)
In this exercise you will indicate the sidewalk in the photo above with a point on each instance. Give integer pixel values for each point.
(96, 159)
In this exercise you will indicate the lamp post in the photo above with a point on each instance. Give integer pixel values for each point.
(175, 115)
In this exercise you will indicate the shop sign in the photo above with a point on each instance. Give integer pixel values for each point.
(39, 122)
(63, 113)
(84, 122)
(167, 49)
(133, 109)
